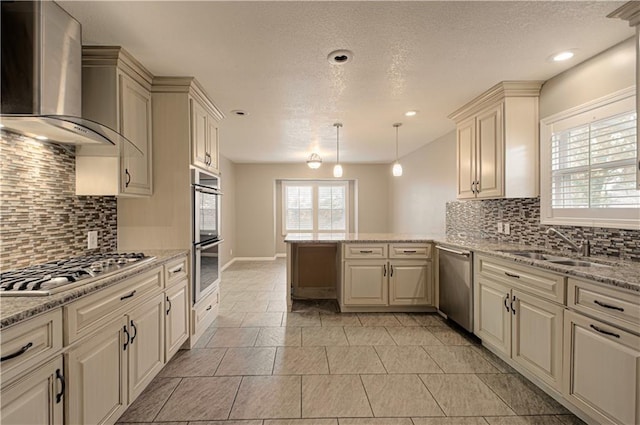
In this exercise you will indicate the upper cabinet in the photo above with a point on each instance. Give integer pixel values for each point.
(204, 135)
(116, 92)
(497, 142)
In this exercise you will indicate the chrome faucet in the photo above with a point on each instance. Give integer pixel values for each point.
(584, 248)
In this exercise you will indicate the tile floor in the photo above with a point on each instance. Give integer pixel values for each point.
(258, 365)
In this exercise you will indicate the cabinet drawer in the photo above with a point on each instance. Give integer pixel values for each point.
(175, 271)
(205, 313)
(611, 305)
(530, 279)
(31, 342)
(365, 251)
(88, 314)
(409, 250)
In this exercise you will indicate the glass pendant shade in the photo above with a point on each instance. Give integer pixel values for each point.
(314, 162)
(337, 170)
(397, 169)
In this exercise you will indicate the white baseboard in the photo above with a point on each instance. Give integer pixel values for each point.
(255, 258)
(281, 255)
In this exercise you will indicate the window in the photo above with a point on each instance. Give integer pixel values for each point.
(588, 165)
(315, 206)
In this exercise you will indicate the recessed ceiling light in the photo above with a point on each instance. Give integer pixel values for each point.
(562, 56)
(1, 125)
(410, 113)
(339, 57)
(240, 112)
(42, 138)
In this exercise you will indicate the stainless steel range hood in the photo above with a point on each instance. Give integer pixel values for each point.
(42, 76)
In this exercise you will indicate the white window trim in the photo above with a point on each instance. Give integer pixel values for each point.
(620, 218)
(315, 184)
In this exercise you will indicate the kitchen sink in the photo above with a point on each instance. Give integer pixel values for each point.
(566, 261)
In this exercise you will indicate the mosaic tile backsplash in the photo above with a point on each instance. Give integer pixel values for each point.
(41, 218)
(479, 219)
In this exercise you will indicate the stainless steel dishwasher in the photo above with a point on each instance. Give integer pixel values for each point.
(455, 271)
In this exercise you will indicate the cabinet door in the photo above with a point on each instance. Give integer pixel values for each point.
(602, 369)
(34, 398)
(410, 282)
(176, 318)
(466, 157)
(537, 336)
(146, 350)
(97, 370)
(489, 157)
(212, 149)
(365, 282)
(135, 125)
(199, 135)
(492, 314)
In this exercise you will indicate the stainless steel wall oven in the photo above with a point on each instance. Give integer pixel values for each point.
(206, 194)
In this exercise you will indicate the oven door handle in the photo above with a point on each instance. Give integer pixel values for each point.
(199, 246)
(206, 189)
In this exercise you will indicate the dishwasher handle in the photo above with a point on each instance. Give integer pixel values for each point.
(453, 251)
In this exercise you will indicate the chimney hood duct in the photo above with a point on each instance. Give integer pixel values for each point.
(42, 76)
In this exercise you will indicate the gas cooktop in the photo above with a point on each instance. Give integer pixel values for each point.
(56, 276)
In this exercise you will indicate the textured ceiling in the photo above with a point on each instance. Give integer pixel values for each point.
(270, 59)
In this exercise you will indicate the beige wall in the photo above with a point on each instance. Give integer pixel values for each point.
(606, 73)
(418, 198)
(255, 207)
(228, 215)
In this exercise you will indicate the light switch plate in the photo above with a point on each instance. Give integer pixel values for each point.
(92, 239)
(500, 229)
(507, 229)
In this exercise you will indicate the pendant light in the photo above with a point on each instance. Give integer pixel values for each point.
(337, 169)
(314, 162)
(397, 168)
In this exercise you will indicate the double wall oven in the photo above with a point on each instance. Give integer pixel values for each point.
(205, 194)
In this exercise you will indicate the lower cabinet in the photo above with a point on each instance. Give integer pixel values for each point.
(36, 398)
(525, 327)
(176, 323)
(409, 282)
(365, 282)
(602, 369)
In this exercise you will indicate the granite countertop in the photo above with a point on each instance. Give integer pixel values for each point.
(16, 309)
(622, 274)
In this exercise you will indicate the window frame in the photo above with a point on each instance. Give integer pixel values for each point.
(620, 218)
(315, 184)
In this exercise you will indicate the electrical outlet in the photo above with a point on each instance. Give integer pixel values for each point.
(507, 229)
(92, 239)
(231, 252)
(500, 228)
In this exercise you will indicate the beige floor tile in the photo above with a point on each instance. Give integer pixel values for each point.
(156, 423)
(459, 359)
(279, 337)
(375, 421)
(228, 319)
(247, 361)
(368, 336)
(494, 360)
(449, 336)
(450, 421)
(191, 401)
(318, 336)
(378, 319)
(301, 422)
(399, 395)
(406, 319)
(261, 397)
(429, 319)
(521, 395)
(262, 319)
(354, 360)
(465, 395)
(280, 305)
(233, 337)
(149, 403)
(412, 336)
(205, 337)
(333, 396)
(248, 422)
(570, 420)
(301, 319)
(300, 361)
(196, 362)
(523, 420)
(340, 319)
(407, 359)
(251, 306)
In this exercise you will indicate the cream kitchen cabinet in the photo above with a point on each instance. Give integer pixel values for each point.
(116, 92)
(602, 352)
(518, 312)
(176, 317)
(204, 137)
(36, 398)
(497, 142)
(385, 277)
